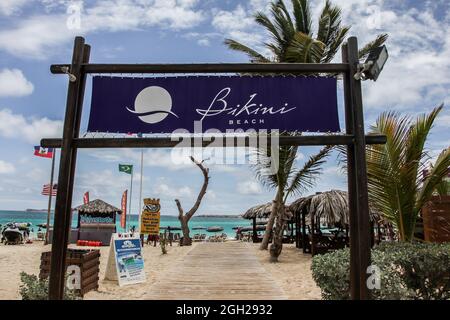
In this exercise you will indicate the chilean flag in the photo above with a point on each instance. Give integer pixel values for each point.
(43, 152)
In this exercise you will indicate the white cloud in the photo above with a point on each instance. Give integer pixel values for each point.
(9, 7)
(31, 130)
(203, 42)
(165, 190)
(249, 187)
(38, 35)
(238, 25)
(35, 37)
(14, 84)
(6, 167)
(443, 121)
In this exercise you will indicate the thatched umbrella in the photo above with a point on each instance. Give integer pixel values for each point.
(261, 211)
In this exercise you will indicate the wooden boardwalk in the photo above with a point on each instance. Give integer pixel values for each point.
(213, 271)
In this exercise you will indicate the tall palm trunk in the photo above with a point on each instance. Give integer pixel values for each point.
(276, 205)
(277, 243)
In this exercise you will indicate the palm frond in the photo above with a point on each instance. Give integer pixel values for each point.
(305, 178)
(393, 169)
(378, 42)
(437, 174)
(263, 20)
(302, 15)
(329, 23)
(304, 49)
(253, 54)
(334, 46)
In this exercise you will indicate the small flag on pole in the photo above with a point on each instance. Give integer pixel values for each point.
(46, 190)
(127, 168)
(43, 152)
(123, 218)
(86, 197)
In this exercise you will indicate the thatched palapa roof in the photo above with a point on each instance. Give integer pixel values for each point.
(98, 206)
(261, 211)
(331, 206)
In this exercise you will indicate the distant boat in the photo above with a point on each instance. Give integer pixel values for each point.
(214, 229)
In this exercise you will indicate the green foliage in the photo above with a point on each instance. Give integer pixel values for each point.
(292, 36)
(32, 288)
(419, 271)
(394, 169)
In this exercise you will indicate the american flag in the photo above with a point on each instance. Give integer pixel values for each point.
(46, 190)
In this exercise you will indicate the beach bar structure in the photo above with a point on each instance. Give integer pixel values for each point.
(97, 221)
(331, 209)
(262, 212)
(354, 139)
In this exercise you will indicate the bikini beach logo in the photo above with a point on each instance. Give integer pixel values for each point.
(152, 105)
(128, 244)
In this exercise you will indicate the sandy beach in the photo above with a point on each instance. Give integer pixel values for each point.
(292, 274)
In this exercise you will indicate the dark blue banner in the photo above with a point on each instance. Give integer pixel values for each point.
(162, 105)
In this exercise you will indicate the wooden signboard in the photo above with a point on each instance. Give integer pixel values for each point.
(150, 217)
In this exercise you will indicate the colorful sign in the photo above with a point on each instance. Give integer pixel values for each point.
(86, 197)
(92, 218)
(163, 105)
(129, 263)
(123, 217)
(150, 217)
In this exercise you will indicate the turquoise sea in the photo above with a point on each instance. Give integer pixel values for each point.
(227, 223)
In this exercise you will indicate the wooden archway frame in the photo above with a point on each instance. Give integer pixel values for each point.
(354, 138)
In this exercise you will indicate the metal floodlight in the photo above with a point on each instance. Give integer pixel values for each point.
(374, 64)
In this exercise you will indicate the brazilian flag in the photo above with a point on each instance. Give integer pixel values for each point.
(127, 168)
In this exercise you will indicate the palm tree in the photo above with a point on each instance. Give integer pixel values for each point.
(293, 38)
(293, 41)
(396, 186)
(287, 180)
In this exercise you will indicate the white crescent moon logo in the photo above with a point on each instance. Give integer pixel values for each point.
(153, 104)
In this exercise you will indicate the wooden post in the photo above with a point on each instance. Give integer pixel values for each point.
(304, 237)
(255, 235)
(313, 234)
(359, 216)
(62, 221)
(49, 209)
(353, 212)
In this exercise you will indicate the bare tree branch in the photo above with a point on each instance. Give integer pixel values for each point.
(184, 218)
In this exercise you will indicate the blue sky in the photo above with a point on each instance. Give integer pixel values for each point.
(34, 34)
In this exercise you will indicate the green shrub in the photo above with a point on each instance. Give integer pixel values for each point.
(408, 271)
(32, 288)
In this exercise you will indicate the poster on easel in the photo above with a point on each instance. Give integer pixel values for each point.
(150, 217)
(125, 261)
